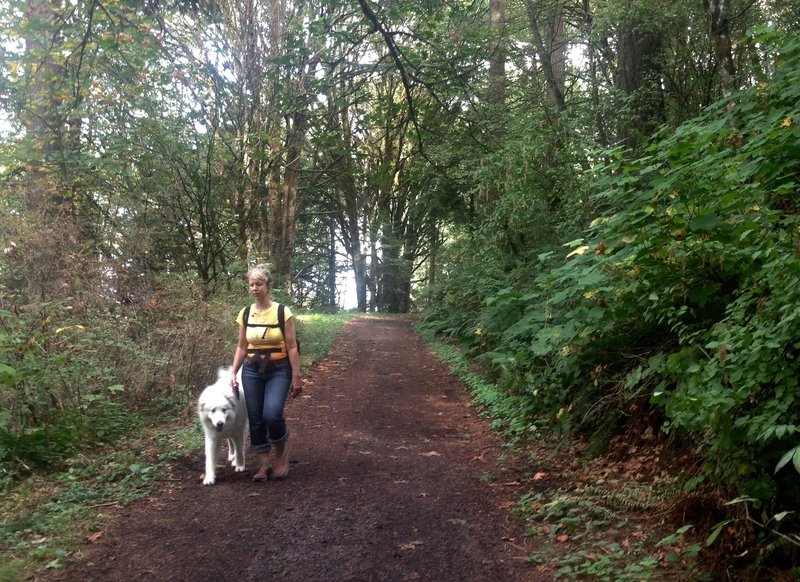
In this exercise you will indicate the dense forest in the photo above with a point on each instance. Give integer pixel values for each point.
(596, 199)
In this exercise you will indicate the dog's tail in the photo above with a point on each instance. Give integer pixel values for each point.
(223, 373)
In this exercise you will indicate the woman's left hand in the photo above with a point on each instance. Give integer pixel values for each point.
(297, 386)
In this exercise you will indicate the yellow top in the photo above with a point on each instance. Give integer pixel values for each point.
(263, 331)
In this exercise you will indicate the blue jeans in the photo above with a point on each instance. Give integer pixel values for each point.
(266, 397)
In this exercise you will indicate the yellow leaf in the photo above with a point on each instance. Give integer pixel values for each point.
(579, 251)
(75, 327)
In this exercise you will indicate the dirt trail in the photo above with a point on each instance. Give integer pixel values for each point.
(393, 477)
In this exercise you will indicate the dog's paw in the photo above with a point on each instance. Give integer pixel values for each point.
(209, 480)
(239, 468)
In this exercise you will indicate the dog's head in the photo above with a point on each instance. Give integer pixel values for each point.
(219, 413)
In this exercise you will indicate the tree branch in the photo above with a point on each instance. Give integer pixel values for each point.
(390, 44)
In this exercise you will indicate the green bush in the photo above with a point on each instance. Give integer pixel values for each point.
(707, 249)
(683, 296)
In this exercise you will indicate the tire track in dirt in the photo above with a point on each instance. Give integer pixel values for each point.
(389, 481)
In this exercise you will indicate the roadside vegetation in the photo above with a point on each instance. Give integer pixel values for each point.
(671, 325)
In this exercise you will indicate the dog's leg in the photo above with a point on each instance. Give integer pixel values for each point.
(231, 450)
(212, 452)
(238, 449)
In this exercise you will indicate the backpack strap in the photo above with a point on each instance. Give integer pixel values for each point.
(266, 326)
(282, 320)
(282, 325)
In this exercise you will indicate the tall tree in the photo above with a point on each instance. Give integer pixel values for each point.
(40, 112)
(719, 15)
(638, 81)
(497, 54)
(547, 29)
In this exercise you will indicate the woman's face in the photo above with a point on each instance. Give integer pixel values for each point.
(258, 287)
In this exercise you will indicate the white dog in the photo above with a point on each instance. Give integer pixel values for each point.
(222, 416)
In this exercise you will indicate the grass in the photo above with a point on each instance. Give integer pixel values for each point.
(317, 333)
(47, 516)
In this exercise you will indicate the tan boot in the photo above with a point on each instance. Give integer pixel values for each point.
(280, 463)
(264, 469)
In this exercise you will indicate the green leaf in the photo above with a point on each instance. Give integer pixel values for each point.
(8, 375)
(791, 455)
(704, 223)
(716, 531)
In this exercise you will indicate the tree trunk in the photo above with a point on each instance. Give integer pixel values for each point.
(242, 18)
(40, 112)
(284, 207)
(496, 97)
(360, 273)
(332, 303)
(270, 233)
(434, 242)
(552, 51)
(719, 31)
(375, 298)
(283, 261)
(497, 54)
(600, 122)
(638, 78)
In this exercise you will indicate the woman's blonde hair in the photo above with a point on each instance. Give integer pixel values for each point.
(260, 272)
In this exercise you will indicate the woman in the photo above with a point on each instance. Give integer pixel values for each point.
(271, 367)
